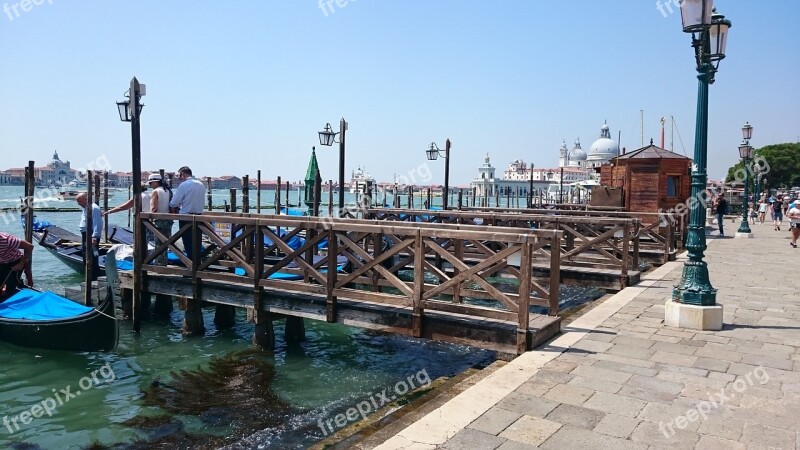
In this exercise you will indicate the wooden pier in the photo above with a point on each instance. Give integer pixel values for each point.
(420, 279)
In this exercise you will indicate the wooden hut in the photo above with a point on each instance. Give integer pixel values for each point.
(652, 178)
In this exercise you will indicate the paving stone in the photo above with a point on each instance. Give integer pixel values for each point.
(622, 359)
(647, 395)
(674, 348)
(711, 338)
(536, 388)
(633, 334)
(601, 336)
(668, 331)
(559, 366)
(603, 374)
(577, 438)
(715, 443)
(656, 384)
(766, 361)
(567, 393)
(591, 346)
(621, 367)
(614, 403)
(472, 439)
(691, 379)
(661, 435)
(694, 371)
(530, 430)
(596, 384)
(675, 416)
(711, 364)
(552, 377)
(630, 351)
(721, 376)
(615, 425)
(576, 416)
(676, 359)
(722, 427)
(768, 436)
(722, 355)
(495, 420)
(527, 404)
(514, 445)
(662, 338)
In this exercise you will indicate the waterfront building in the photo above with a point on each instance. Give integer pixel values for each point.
(56, 172)
(603, 150)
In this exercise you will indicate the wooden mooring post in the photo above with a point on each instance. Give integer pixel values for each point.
(258, 192)
(208, 195)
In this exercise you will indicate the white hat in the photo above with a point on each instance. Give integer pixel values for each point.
(154, 177)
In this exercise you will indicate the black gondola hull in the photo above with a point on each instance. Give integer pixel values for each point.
(96, 330)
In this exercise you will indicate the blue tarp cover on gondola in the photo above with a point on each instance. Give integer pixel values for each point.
(33, 305)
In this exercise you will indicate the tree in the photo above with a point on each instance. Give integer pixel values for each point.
(781, 162)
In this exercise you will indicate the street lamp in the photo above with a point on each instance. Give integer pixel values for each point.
(129, 111)
(327, 137)
(709, 32)
(433, 153)
(746, 153)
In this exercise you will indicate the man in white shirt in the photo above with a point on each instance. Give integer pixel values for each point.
(96, 231)
(187, 199)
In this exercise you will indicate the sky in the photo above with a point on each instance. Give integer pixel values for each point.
(234, 87)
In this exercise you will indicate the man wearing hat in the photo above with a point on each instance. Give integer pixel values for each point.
(188, 199)
(159, 203)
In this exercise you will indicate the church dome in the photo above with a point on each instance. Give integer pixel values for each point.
(577, 153)
(604, 148)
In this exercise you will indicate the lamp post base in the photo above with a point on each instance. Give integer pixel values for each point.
(680, 315)
(744, 235)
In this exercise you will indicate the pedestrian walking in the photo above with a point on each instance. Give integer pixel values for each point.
(762, 210)
(794, 217)
(187, 199)
(720, 209)
(777, 212)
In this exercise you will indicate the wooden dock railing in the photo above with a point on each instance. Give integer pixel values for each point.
(602, 252)
(422, 267)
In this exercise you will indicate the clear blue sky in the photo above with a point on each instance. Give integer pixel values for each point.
(233, 87)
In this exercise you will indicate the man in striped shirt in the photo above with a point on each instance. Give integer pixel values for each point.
(13, 262)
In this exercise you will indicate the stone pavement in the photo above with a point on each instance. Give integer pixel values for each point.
(617, 377)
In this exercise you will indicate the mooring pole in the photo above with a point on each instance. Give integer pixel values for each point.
(258, 192)
(30, 183)
(88, 246)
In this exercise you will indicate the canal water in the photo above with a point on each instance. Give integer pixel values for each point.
(139, 393)
(205, 392)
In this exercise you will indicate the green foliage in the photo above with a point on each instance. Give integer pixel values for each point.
(782, 162)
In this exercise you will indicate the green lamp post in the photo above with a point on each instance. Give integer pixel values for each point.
(746, 153)
(709, 35)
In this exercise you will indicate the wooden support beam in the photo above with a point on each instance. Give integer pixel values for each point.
(295, 329)
(264, 333)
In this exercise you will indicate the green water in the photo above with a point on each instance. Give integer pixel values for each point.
(334, 369)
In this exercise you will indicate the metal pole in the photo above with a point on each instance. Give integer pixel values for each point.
(342, 132)
(446, 174)
(258, 192)
(530, 189)
(695, 287)
(561, 187)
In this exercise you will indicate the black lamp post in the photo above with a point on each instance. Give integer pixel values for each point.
(709, 34)
(327, 137)
(433, 153)
(129, 111)
(746, 153)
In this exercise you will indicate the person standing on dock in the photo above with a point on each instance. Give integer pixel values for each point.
(159, 203)
(188, 199)
(15, 258)
(97, 229)
(720, 209)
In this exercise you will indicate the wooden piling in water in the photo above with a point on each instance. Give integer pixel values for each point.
(88, 244)
(258, 192)
(224, 316)
(163, 306)
(30, 183)
(105, 205)
(246, 194)
(208, 195)
(278, 197)
(232, 199)
(295, 329)
(264, 333)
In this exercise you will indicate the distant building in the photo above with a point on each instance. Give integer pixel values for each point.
(6, 178)
(516, 180)
(56, 172)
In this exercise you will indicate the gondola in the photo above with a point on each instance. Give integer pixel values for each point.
(67, 247)
(32, 318)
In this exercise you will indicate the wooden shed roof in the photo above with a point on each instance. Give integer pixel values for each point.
(651, 152)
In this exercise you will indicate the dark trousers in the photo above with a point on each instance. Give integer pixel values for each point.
(186, 238)
(12, 279)
(95, 257)
(720, 220)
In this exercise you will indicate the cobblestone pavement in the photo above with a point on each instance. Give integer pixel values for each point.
(617, 377)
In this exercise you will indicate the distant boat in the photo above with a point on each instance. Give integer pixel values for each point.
(359, 181)
(71, 194)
